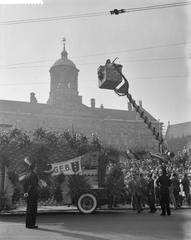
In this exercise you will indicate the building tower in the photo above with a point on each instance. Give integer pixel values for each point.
(64, 82)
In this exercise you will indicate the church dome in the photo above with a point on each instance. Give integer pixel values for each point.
(64, 61)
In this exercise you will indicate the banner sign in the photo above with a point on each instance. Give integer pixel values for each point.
(70, 167)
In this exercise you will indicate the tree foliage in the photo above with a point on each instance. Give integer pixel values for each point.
(45, 147)
(77, 184)
(115, 186)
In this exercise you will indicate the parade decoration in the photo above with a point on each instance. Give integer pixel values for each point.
(27, 161)
(70, 167)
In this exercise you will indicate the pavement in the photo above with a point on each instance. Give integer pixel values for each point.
(41, 210)
(104, 225)
(20, 210)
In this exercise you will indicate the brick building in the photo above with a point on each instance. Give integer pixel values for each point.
(65, 110)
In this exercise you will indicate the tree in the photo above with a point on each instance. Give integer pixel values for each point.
(115, 186)
(77, 184)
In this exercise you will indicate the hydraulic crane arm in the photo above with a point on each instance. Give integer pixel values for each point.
(111, 77)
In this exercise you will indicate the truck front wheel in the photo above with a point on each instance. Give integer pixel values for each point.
(87, 203)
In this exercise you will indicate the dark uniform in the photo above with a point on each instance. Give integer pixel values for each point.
(164, 183)
(31, 187)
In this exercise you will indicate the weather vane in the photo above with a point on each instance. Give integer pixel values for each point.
(64, 41)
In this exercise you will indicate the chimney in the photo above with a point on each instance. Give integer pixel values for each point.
(140, 103)
(33, 98)
(92, 102)
(101, 106)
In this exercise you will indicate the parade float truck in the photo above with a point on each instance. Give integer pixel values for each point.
(90, 169)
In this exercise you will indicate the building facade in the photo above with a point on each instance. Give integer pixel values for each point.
(178, 136)
(64, 110)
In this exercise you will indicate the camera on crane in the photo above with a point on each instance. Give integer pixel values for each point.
(109, 76)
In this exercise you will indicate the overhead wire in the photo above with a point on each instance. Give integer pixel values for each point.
(57, 18)
(94, 14)
(88, 63)
(101, 13)
(138, 49)
(106, 54)
(132, 78)
(159, 6)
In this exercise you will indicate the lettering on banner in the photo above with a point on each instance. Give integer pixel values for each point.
(75, 166)
(55, 171)
(61, 168)
(68, 168)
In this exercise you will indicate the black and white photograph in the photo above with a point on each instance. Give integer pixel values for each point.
(95, 120)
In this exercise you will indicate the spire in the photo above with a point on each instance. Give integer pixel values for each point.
(64, 54)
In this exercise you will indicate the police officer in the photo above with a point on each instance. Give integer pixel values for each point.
(31, 194)
(164, 183)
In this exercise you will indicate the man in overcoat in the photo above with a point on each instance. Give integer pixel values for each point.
(30, 186)
(164, 183)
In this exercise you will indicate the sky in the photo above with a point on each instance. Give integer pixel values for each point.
(153, 47)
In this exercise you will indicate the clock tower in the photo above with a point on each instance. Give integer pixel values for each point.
(64, 81)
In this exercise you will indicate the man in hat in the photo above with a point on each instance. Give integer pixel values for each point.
(164, 183)
(30, 185)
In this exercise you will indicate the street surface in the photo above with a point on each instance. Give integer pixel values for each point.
(103, 225)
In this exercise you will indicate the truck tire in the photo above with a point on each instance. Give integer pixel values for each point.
(87, 203)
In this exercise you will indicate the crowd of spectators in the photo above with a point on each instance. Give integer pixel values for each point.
(178, 170)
